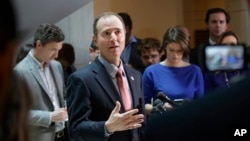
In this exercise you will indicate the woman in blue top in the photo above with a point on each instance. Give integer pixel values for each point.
(223, 79)
(174, 76)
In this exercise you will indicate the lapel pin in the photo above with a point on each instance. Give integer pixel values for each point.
(132, 78)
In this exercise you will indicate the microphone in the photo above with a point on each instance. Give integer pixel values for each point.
(140, 106)
(158, 107)
(164, 98)
(140, 112)
(157, 102)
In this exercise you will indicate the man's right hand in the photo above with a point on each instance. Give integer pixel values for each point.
(124, 121)
(59, 115)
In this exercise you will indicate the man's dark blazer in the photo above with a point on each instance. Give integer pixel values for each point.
(134, 58)
(213, 117)
(197, 56)
(91, 97)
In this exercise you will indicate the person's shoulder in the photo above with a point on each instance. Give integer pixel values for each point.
(84, 71)
(55, 62)
(194, 67)
(78, 75)
(156, 65)
(153, 68)
(22, 65)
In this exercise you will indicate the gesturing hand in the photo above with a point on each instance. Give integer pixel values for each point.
(124, 121)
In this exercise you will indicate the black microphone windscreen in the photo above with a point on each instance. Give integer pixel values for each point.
(156, 102)
(164, 98)
(140, 105)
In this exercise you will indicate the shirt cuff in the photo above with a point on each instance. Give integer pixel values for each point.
(107, 134)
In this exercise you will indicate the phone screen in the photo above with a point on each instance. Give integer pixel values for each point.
(224, 57)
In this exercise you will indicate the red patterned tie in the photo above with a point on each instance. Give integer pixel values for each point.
(123, 90)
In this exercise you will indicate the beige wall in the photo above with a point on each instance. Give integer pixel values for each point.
(150, 18)
(195, 10)
(194, 14)
(240, 22)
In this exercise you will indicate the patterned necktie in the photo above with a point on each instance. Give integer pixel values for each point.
(123, 90)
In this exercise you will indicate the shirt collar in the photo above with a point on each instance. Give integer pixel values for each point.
(38, 64)
(111, 68)
(211, 42)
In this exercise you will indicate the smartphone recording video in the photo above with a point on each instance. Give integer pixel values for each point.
(225, 57)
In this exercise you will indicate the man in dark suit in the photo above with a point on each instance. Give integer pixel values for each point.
(216, 20)
(130, 55)
(96, 109)
(217, 116)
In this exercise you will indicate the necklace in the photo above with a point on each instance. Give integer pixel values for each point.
(227, 79)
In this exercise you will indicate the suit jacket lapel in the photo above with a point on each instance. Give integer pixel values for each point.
(104, 80)
(36, 74)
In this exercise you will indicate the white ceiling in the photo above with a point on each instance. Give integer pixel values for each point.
(32, 13)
